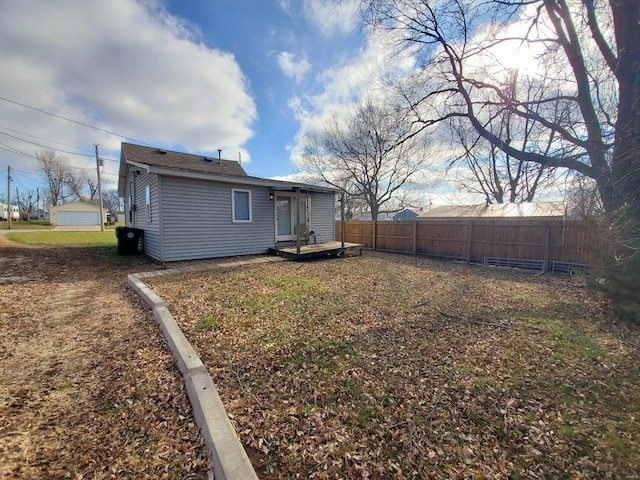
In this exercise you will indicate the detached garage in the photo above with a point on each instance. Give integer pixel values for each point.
(76, 214)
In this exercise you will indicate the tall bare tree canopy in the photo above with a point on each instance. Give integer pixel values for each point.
(371, 155)
(586, 113)
(57, 170)
(64, 182)
(498, 176)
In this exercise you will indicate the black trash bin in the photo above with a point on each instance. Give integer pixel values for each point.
(129, 240)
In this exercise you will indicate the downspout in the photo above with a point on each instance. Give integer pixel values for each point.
(342, 218)
(132, 206)
(297, 219)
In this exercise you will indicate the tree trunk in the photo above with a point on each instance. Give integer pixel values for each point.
(625, 163)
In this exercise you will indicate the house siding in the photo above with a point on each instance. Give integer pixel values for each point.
(139, 219)
(323, 216)
(197, 220)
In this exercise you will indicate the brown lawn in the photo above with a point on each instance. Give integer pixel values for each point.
(88, 388)
(386, 366)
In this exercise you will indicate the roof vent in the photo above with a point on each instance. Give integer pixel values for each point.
(162, 152)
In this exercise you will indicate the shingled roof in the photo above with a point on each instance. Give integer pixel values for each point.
(188, 162)
(167, 162)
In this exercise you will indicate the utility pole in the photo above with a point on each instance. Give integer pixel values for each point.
(100, 190)
(9, 197)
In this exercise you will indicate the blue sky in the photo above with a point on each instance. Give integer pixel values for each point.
(250, 77)
(246, 76)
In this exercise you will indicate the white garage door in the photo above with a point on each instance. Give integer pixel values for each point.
(78, 218)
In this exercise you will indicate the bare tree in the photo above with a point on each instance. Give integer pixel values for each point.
(76, 183)
(591, 104)
(498, 176)
(27, 204)
(64, 182)
(372, 155)
(589, 112)
(57, 170)
(113, 203)
(583, 200)
(92, 184)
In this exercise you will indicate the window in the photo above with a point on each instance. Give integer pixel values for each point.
(147, 199)
(241, 205)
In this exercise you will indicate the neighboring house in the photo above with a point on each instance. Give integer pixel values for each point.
(194, 207)
(405, 215)
(76, 214)
(529, 210)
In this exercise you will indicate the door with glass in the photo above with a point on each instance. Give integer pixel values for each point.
(284, 218)
(286, 229)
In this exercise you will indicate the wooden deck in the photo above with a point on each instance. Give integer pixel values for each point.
(319, 250)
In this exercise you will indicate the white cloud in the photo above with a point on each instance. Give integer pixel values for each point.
(124, 66)
(332, 17)
(364, 75)
(285, 5)
(292, 68)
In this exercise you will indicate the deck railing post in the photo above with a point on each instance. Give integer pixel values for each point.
(297, 217)
(342, 219)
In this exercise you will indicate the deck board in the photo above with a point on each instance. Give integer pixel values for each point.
(325, 249)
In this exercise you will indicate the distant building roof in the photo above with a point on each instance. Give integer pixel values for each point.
(382, 216)
(406, 214)
(499, 210)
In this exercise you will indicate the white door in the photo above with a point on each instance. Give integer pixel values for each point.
(286, 229)
(284, 218)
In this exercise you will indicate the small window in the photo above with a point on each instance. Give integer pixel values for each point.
(241, 205)
(147, 199)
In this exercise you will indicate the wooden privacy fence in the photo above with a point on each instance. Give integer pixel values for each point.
(555, 245)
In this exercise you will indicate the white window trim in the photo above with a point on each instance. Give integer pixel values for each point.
(233, 205)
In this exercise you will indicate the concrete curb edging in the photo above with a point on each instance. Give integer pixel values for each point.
(230, 460)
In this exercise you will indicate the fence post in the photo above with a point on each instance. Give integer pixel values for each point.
(469, 241)
(374, 235)
(547, 239)
(415, 235)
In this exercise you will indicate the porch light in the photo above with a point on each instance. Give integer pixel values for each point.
(271, 195)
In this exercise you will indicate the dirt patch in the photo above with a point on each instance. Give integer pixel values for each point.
(89, 389)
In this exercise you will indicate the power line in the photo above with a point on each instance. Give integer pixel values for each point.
(11, 149)
(45, 146)
(73, 121)
(43, 138)
(28, 174)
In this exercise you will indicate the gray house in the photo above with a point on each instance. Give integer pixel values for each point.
(194, 207)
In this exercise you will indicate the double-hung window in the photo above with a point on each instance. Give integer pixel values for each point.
(241, 205)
